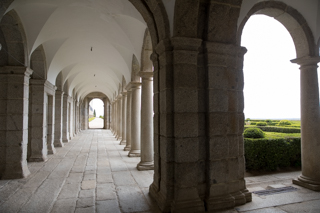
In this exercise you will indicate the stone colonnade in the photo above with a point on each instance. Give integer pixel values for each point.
(134, 107)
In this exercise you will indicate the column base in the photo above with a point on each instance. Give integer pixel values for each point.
(58, 143)
(307, 183)
(51, 150)
(65, 140)
(188, 206)
(127, 148)
(161, 201)
(145, 166)
(15, 172)
(220, 202)
(37, 158)
(239, 198)
(119, 138)
(134, 153)
(247, 194)
(123, 142)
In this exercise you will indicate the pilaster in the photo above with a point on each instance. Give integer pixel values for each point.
(128, 128)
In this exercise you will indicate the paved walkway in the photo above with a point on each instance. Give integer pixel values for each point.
(96, 123)
(92, 173)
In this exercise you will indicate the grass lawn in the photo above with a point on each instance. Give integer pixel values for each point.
(91, 119)
(275, 135)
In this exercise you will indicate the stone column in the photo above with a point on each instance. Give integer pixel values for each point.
(51, 124)
(105, 118)
(70, 123)
(14, 98)
(310, 122)
(128, 128)
(124, 118)
(146, 162)
(119, 118)
(58, 119)
(135, 119)
(38, 123)
(65, 120)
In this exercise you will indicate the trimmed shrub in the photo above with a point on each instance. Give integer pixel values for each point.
(253, 133)
(264, 154)
(268, 121)
(284, 123)
(278, 129)
(261, 124)
(253, 123)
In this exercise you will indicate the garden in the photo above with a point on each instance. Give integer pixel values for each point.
(272, 144)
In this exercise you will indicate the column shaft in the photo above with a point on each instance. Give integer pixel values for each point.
(135, 119)
(146, 162)
(128, 132)
(124, 118)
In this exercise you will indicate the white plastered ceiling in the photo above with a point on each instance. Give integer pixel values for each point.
(90, 41)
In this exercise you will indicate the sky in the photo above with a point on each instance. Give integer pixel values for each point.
(271, 81)
(97, 105)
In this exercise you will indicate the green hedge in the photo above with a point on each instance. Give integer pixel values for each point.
(269, 154)
(279, 129)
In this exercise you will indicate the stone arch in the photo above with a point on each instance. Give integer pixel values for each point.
(291, 19)
(146, 63)
(38, 63)
(13, 41)
(155, 15)
(59, 84)
(106, 101)
(135, 69)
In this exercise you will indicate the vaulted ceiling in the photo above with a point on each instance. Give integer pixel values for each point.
(91, 42)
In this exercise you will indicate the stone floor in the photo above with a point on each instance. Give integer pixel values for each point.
(92, 173)
(96, 123)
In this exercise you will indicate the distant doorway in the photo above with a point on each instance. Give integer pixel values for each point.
(96, 114)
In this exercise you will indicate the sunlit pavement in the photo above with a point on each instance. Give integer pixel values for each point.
(92, 173)
(96, 123)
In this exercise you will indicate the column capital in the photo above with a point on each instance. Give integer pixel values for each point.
(132, 85)
(146, 74)
(183, 43)
(124, 93)
(306, 60)
(59, 92)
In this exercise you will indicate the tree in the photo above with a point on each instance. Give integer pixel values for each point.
(94, 113)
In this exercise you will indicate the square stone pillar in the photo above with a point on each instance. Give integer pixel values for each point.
(58, 119)
(84, 114)
(14, 100)
(65, 120)
(38, 119)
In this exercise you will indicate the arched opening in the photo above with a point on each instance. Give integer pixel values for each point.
(96, 114)
(271, 81)
(307, 57)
